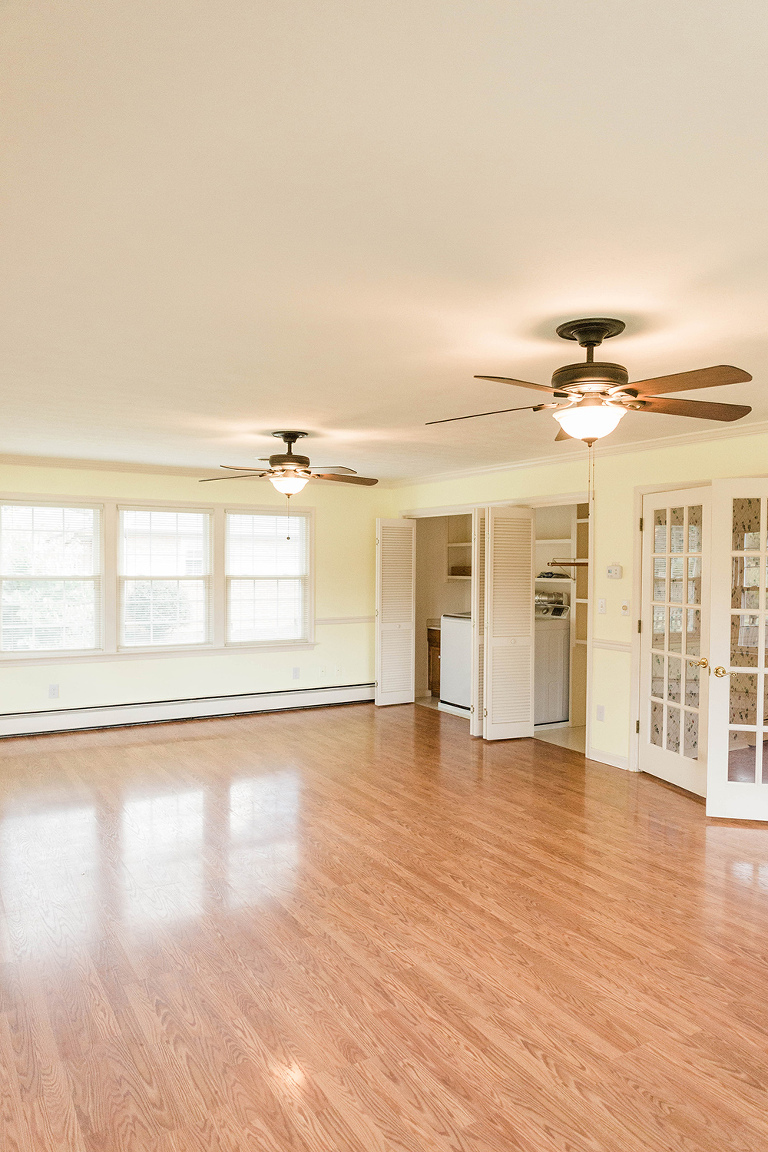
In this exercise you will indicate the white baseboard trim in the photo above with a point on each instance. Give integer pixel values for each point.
(161, 711)
(609, 758)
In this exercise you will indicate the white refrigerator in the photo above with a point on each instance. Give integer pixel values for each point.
(456, 660)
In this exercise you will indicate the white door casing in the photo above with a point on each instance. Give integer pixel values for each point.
(737, 773)
(675, 637)
(395, 611)
(479, 520)
(509, 615)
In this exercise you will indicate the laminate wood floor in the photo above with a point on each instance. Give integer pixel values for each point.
(357, 930)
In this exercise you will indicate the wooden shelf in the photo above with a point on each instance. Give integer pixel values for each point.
(553, 540)
(460, 544)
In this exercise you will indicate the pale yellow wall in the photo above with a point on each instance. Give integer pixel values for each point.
(344, 587)
(616, 477)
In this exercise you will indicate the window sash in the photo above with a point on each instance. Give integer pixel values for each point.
(157, 622)
(51, 604)
(266, 617)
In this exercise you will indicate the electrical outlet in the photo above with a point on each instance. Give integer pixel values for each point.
(600, 712)
(53, 691)
(625, 607)
(296, 673)
(601, 606)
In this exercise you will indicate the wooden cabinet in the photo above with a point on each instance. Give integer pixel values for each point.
(433, 660)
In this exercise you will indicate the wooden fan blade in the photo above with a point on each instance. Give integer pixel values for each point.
(696, 408)
(518, 383)
(699, 378)
(245, 476)
(243, 468)
(563, 435)
(474, 416)
(342, 471)
(344, 479)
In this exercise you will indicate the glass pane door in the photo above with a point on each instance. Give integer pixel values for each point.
(674, 636)
(737, 786)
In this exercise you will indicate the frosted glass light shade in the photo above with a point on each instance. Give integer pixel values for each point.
(289, 483)
(588, 421)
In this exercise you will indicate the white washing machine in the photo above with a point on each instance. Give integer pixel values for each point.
(551, 665)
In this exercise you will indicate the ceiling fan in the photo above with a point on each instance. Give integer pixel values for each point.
(289, 473)
(598, 394)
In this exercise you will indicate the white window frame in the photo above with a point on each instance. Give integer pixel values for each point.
(307, 513)
(207, 578)
(55, 654)
(110, 606)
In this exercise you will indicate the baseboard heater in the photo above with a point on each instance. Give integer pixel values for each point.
(163, 711)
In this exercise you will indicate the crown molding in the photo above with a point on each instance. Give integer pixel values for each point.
(758, 428)
(102, 465)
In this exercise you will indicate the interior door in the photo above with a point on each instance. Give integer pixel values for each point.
(508, 635)
(479, 522)
(395, 611)
(737, 777)
(674, 681)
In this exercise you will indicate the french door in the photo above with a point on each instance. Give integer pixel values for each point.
(674, 680)
(704, 648)
(737, 777)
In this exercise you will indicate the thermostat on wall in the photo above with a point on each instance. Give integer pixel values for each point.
(615, 571)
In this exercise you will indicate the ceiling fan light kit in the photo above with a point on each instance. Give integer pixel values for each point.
(599, 393)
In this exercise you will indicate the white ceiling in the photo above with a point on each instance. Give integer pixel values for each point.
(222, 218)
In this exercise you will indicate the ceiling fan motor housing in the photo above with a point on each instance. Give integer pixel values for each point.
(595, 377)
(284, 460)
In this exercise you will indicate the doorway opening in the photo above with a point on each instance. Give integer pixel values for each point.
(443, 666)
(561, 611)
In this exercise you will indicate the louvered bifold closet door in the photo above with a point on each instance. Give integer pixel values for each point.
(508, 704)
(395, 611)
(479, 521)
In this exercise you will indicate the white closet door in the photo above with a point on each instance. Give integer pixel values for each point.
(479, 520)
(395, 611)
(508, 705)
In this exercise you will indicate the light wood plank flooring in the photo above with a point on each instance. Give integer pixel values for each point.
(358, 930)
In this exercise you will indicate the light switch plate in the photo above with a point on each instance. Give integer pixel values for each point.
(600, 712)
(601, 606)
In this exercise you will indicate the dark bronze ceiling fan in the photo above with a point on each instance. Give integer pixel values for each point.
(598, 394)
(289, 472)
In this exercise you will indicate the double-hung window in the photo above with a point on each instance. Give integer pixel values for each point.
(164, 578)
(50, 578)
(269, 593)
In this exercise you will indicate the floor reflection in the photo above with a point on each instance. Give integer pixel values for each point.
(263, 851)
(48, 863)
(161, 840)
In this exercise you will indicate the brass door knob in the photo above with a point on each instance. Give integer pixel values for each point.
(703, 663)
(720, 671)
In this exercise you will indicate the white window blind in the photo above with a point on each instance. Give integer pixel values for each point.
(50, 578)
(165, 578)
(268, 578)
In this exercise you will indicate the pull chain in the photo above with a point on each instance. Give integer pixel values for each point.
(288, 511)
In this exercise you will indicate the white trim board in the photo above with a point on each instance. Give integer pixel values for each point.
(162, 711)
(609, 758)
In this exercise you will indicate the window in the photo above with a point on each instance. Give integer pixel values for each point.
(165, 575)
(50, 578)
(267, 573)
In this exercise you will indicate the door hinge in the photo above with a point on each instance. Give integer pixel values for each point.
(637, 727)
(641, 523)
(639, 625)
(485, 711)
(471, 708)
